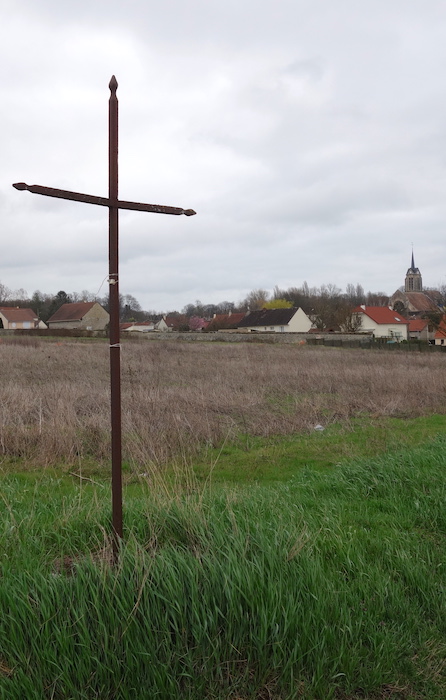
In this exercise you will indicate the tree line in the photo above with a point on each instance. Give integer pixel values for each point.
(328, 306)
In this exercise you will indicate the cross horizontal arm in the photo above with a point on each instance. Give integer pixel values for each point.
(102, 201)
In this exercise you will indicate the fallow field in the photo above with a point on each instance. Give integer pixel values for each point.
(264, 559)
(181, 398)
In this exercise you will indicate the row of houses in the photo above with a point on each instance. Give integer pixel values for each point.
(377, 321)
(272, 320)
(385, 322)
(406, 317)
(83, 315)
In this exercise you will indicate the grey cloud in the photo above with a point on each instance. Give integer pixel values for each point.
(311, 68)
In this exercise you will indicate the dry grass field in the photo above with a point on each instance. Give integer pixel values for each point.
(179, 397)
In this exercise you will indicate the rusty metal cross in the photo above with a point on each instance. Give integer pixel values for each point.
(114, 205)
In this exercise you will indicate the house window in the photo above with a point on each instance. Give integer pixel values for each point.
(13, 324)
(271, 328)
(26, 324)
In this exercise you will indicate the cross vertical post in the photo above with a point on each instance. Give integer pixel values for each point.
(115, 346)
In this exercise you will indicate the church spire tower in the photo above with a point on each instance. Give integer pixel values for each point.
(413, 281)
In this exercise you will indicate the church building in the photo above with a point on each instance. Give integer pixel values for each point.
(413, 302)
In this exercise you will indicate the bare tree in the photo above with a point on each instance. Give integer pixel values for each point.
(329, 307)
(130, 308)
(297, 296)
(225, 307)
(351, 322)
(355, 295)
(20, 294)
(377, 299)
(5, 293)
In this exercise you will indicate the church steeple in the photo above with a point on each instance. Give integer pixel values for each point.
(413, 282)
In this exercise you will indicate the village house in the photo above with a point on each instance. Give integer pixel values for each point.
(181, 323)
(86, 315)
(421, 329)
(276, 321)
(381, 321)
(225, 322)
(440, 335)
(177, 322)
(161, 325)
(13, 317)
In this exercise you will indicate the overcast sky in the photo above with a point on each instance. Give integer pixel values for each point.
(309, 136)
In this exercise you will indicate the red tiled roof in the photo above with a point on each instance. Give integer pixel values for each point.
(14, 314)
(417, 324)
(226, 320)
(232, 318)
(441, 330)
(380, 314)
(72, 312)
(174, 322)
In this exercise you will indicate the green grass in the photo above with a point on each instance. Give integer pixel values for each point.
(329, 585)
(252, 459)
(263, 460)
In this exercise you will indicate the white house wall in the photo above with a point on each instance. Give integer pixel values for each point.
(269, 329)
(383, 330)
(300, 323)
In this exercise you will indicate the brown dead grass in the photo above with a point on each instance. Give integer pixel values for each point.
(177, 397)
(5, 670)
